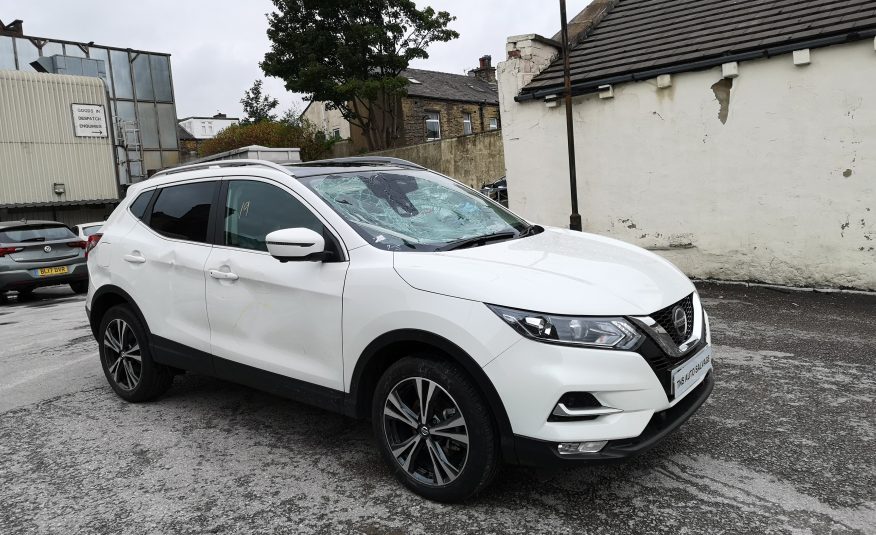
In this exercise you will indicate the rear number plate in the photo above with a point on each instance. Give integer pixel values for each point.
(689, 374)
(49, 271)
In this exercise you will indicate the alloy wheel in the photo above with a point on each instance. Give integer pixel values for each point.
(122, 354)
(426, 431)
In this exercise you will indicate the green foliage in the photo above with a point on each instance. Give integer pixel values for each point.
(312, 142)
(350, 53)
(258, 107)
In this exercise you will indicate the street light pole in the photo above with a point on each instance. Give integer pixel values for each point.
(575, 218)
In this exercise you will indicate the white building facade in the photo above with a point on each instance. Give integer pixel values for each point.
(207, 127)
(761, 170)
(329, 121)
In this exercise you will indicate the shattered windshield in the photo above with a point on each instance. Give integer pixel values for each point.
(412, 210)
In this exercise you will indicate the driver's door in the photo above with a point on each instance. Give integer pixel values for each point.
(283, 318)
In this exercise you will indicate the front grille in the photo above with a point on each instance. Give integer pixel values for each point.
(659, 361)
(664, 318)
(663, 364)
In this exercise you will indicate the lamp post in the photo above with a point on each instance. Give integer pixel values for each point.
(575, 218)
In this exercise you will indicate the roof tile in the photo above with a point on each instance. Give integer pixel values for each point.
(447, 86)
(639, 35)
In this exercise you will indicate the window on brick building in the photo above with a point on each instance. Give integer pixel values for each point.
(494, 123)
(433, 125)
(466, 124)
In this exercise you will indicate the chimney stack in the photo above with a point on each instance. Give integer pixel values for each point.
(16, 27)
(485, 71)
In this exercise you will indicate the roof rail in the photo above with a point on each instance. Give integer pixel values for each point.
(222, 163)
(360, 160)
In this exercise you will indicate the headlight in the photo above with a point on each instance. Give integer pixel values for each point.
(604, 333)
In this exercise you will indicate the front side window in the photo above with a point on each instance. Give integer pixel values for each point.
(255, 209)
(433, 126)
(412, 210)
(183, 212)
(494, 123)
(466, 123)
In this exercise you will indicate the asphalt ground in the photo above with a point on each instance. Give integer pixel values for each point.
(784, 445)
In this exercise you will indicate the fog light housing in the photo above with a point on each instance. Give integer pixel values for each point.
(571, 448)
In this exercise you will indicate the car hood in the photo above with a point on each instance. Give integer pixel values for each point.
(557, 271)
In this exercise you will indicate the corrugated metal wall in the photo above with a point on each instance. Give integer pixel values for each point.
(38, 147)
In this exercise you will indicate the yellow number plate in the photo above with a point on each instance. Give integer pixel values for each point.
(48, 272)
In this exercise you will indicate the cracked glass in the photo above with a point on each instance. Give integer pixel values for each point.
(411, 210)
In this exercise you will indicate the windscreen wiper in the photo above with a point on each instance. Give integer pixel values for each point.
(531, 230)
(476, 240)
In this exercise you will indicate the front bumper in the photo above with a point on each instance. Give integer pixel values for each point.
(534, 452)
(531, 377)
(26, 278)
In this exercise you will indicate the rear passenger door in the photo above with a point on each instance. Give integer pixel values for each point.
(283, 318)
(163, 266)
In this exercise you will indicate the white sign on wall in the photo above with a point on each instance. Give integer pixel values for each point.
(89, 120)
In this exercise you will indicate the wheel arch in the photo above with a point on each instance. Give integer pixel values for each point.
(105, 298)
(392, 346)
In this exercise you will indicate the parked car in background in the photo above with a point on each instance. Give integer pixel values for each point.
(378, 288)
(40, 253)
(84, 230)
(498, 191)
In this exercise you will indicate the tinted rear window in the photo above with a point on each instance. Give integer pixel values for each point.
(183, 212)
(138, 207)
(35, 233)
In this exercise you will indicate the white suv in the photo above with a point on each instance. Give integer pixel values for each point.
(379, 289)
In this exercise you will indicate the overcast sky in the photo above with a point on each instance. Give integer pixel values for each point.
(216, 45)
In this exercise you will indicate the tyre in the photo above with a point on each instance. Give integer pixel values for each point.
(79, 287)
(126, 358)
(25, 294)
(434, 429)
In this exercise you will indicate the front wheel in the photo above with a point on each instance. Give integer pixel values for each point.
(434, 429)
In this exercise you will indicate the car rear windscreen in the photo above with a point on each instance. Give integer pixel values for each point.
(35, 233)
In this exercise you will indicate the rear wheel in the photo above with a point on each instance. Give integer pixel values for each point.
(79, 287)
(126, 359)
(434, 429)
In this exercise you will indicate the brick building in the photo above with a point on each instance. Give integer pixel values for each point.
(443, 105)
(440, 105)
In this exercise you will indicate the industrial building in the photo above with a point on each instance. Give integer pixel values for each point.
(44, 137)
(56, 155)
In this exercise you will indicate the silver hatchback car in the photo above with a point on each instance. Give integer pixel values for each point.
(40, 253)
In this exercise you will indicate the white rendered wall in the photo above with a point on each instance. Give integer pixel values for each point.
(784, 192)
(195, 127)
(327, 120)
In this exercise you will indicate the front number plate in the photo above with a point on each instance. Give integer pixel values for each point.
(48, 272)
(689, 374)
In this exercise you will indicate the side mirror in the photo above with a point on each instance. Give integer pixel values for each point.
(295, 244)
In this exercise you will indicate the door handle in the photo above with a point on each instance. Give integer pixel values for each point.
(134, 259)
(223, 275)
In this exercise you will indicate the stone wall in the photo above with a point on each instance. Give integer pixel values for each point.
(414, 113)
(473, 160)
